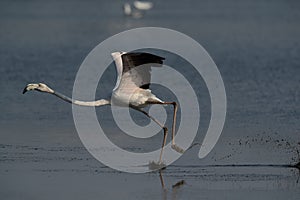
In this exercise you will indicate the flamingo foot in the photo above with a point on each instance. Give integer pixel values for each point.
(177, 148)
(156, 165)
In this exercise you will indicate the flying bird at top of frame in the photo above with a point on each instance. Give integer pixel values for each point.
(138, 10)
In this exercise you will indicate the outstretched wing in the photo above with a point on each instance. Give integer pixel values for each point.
(137, 68)
(134, 69)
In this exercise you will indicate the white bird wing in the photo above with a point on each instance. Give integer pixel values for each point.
(134, 70)
(119, 67)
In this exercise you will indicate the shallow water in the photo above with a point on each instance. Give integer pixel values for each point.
(256, 47)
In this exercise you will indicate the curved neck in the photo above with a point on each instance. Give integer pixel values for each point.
(100, 102)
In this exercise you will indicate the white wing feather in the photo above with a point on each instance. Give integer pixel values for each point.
(119, 66)
(127, 89)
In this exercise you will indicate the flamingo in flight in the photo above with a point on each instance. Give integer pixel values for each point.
(131, 89)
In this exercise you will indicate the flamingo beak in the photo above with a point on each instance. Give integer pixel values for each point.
(25, 90)
(30, 87)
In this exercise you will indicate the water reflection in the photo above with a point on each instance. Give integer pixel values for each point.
(212, 178)
(174, 189)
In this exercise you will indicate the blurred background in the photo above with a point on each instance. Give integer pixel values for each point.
(256, 46)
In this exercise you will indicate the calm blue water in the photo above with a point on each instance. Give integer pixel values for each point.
(256, 46)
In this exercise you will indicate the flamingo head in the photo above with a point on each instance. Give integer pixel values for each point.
(41, 87)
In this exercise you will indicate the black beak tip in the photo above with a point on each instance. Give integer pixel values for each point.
(24, 91)
(298, 165)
